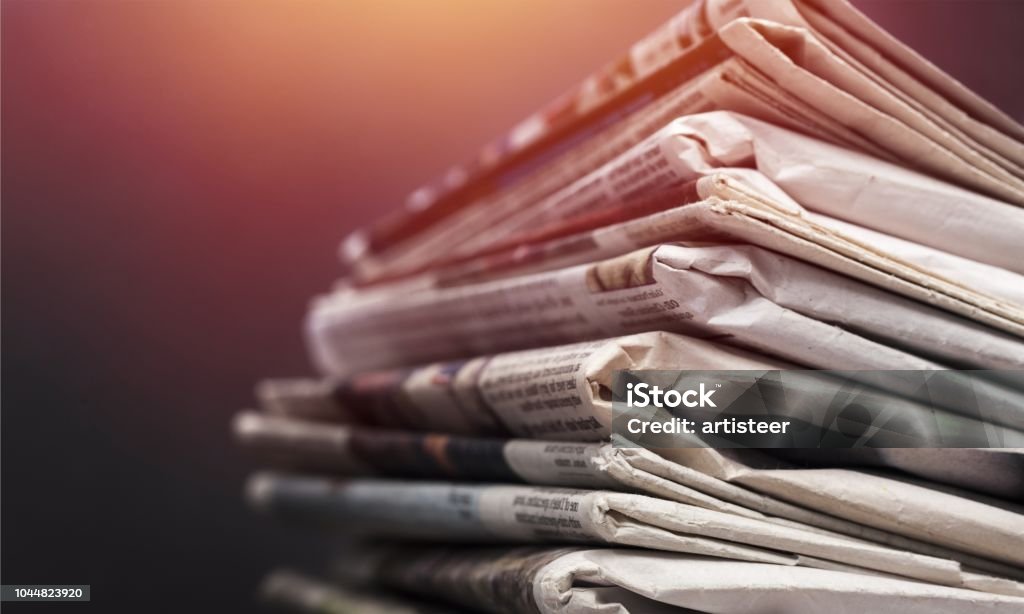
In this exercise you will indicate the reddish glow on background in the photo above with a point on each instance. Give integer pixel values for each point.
(176, 176)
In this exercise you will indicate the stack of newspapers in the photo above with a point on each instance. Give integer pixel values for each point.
(765, 186)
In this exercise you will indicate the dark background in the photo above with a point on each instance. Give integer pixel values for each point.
(176, 177)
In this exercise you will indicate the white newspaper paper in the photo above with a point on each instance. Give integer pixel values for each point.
(738, 294)
(592, 581)
(819, 67)
(995, 471)
(985, 527)
(821, 177)
(562, 392)
(358, 451)
(742, 204)
(488, 513)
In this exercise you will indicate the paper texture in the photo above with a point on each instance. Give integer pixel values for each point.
(995, 472)
(739, 294)
(543, 581)
(463, 512)
(559, 392)
(823, 178)
(739, 204)
(770, 188)
(818, 67)
(819, 176)
(908, 509)
(736, 292)
(359, 451)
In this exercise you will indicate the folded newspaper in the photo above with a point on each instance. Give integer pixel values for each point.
(489, 513)
(819, 67)
(580, 580)
(998, 472)
(743, 296)
(567, 392)
(795, 171)
(321, 448)
(361, 450)
(740, 294)
(774, 188)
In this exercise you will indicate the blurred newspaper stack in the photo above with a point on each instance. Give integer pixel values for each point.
(762, 185)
